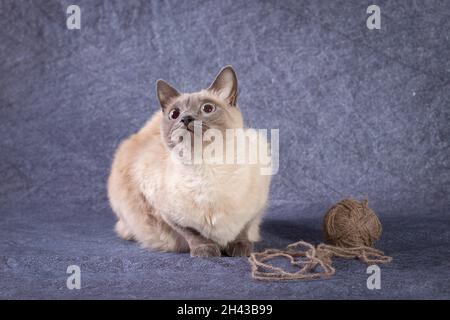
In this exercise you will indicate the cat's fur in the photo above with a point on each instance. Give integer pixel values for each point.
(170, 206)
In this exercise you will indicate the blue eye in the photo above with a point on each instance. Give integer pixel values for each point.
(208, 108)
(174, 113)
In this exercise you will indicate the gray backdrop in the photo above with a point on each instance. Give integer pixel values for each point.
(361, 113)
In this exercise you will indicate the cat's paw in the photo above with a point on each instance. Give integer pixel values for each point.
(206, 250)
(123, 232)
(239, 249)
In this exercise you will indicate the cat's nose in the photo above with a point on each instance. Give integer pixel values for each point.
(186, 120)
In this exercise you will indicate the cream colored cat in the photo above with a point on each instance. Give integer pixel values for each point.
(167, 205)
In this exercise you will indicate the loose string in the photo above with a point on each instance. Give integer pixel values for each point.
(313, 263)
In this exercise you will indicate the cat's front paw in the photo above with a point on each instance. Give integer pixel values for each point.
(239, 249)
(205, 250)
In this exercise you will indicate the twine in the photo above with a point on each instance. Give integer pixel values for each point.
(351, 223)
(341, 223)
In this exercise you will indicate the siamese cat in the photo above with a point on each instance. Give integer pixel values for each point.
(168, 205)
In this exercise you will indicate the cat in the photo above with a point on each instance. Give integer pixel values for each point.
(167, 205)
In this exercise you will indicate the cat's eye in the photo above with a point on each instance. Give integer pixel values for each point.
(208, 108)
(174, 113)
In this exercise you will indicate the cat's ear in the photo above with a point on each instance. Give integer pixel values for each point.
(225, 85)
(165, 93)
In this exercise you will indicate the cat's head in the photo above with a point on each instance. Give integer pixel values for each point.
(211, 108)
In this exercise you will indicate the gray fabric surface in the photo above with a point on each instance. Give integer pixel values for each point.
(360, 112)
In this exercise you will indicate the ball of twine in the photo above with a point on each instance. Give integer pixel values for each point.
(350, 229)
(351, 223)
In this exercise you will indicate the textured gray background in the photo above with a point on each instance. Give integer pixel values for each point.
(360, 112)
